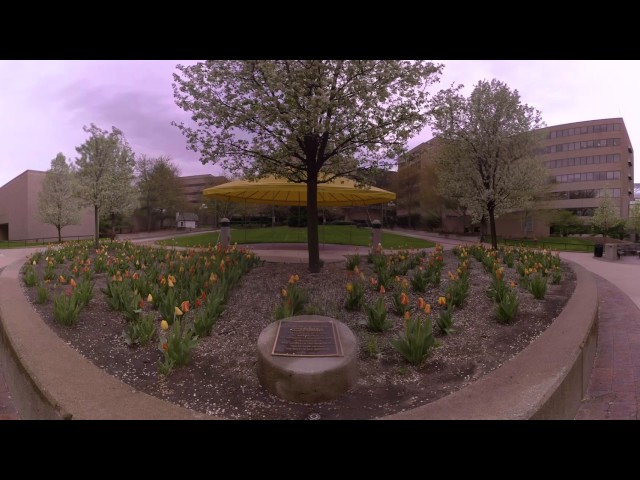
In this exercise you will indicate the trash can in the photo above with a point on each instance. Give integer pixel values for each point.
(598, 248)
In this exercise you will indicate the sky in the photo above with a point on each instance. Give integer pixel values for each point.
(45, 104)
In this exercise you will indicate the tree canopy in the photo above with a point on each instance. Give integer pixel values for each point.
(606, 217)
(57, 203)
(159, 188)
(308, 121)
(105, 173)
(488, 144)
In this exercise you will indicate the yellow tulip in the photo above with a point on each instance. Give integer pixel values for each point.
(442, 301)
(164, 325)
(177, 311)
(149, 298)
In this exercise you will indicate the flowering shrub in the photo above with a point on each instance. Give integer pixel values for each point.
(416, 341)
(66, 308)
(293, 299)
(377, 314)
(177, 346)
(355, 290)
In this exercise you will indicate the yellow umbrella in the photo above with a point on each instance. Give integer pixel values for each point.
(341, 192)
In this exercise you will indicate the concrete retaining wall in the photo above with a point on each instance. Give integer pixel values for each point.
(50, 380)
(546, 380)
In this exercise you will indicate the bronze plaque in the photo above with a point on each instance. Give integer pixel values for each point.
(307, 339)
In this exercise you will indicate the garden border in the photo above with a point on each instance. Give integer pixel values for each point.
(51, 380)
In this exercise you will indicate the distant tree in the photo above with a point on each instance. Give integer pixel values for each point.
(159, 188)
(633, 224)
(57, 204)
(489, 139)
(606, 219)
(105, 173)
(308, 121)
(565, 222)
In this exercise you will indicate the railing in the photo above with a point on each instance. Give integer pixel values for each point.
(31, 242)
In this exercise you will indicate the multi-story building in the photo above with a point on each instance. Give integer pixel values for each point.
(584, 159)
(193, 185)
(19, 218)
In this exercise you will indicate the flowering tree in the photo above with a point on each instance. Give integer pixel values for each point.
(606, 217)
(308, 121)
(634, 220)
(57, 204)
(487, 160)
(105, 173)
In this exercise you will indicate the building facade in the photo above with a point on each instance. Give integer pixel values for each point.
(19, 218)
(584, 159)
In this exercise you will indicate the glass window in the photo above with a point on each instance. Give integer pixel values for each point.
(590, 129)
(616, 142)
(571, 161)
(552, 134)
(616, 157)
(589, 143)
(616, 175)
(616, 127)
(589, 176)
(583, 130)
(583, 144)
(583, 177)
(559, 148)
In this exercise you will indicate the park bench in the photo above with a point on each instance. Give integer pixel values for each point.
(628, 249)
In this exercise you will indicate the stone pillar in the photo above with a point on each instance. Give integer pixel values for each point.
(376, 234)
(225, 232)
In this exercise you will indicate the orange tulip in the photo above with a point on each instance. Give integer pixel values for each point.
(382, 290)
(442, 301)
(185, 306)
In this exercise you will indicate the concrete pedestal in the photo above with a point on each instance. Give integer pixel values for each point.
(611, 251)
(307, 379)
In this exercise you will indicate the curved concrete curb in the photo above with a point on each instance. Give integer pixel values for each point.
(50, 380)
(546, 380)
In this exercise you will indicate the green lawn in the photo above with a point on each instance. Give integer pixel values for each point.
(566, 244)
(334, 234)
(17, 244)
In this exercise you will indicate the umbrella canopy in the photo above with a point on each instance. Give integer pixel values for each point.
(341, 192)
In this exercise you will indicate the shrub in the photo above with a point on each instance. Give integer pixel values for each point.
(206, 317)
(66, 309)
(507, 307)
(457, 291)
(401, 303)
(29, 276)
(417, 340)
(445, 320)
(419, 281)
(84, 292)
(42, 294)
(177, 346)
(497, 289)
(353, 261)
(377, 316)
(140, 331)
(355, 294)
(538, 286)
(293, 301)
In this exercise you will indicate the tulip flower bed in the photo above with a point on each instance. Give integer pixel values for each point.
(183, 325)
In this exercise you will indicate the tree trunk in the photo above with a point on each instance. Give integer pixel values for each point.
(483, 229)
(148, 220)
(492, 225)
(97, 226)
(59, 233)
(313, 243)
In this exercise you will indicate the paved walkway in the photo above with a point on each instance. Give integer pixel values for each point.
(614, 389)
